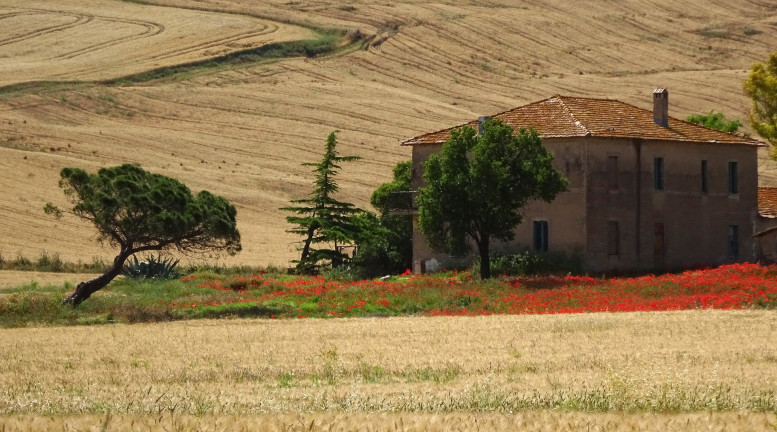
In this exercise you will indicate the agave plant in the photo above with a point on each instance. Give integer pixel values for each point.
(152, 267)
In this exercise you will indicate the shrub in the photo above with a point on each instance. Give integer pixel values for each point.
(152, 267)
(50, 263)
(533, 263)
(344, 273)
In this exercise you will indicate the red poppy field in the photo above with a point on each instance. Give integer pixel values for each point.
(736, 286)
(537, 361)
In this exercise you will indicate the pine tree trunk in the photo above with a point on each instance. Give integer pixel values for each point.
(85, 289)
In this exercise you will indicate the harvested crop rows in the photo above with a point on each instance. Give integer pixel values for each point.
(243, 130)
(100, 40)
(688, 370)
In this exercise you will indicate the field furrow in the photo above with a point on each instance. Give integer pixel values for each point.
(77, 20)
(243, 129)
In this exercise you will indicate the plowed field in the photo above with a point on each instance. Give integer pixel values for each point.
(243, 130)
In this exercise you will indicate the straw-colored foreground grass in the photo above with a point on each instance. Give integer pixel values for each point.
(654, 371)
(556, 421)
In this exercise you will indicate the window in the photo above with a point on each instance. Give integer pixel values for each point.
(705, 177)
(733, 241)
(733, 178)
(541, 236)
(612, 173)
(613, 238)
(658, 173)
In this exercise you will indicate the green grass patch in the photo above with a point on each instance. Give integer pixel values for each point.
(327, 42)
(208, 294)
(51, 262)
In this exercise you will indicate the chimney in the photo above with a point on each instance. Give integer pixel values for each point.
(482, 120)
(661, 107)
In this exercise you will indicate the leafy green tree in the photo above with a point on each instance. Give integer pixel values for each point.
(478, 185)
(137, 211)
(321, 219)
(715, 121)
(761, 86)
(385, 243)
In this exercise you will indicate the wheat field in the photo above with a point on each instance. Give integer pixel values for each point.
(685, 371)
(243, 131)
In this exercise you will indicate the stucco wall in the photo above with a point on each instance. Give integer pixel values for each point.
(766, 244)
(565, 215)
(696, 224)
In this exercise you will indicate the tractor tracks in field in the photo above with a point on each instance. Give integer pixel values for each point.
(78, 20)
(147, 29)
(235, 38)
(235, 47)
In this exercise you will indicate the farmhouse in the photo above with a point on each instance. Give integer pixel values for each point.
(646, 191)
(766, 225)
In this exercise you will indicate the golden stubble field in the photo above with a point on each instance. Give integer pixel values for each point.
(708, 370)
(243, 131)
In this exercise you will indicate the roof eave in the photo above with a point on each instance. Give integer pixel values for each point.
(754, 143)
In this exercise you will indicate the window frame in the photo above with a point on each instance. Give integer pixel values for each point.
(705, 177)
(733, 178)
(658, 173)
(540, 235)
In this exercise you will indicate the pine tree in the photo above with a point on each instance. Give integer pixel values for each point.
(321, 219)
(138, 211)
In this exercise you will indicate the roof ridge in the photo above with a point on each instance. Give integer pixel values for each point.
(522, 106)
(571, 114)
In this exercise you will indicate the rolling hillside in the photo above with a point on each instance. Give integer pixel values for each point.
(242, 129)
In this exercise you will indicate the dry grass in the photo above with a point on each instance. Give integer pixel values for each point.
(100, 39)
(530, 421)
(612, 371)
(243, 131)
(13, 278)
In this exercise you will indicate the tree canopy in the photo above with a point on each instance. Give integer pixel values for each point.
(761, 86)
(477, 186)
(138, 211)
(385, 240)
(320, 218)
(715, 121)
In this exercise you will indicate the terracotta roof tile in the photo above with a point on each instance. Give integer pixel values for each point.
(767, 202)
(564, 116)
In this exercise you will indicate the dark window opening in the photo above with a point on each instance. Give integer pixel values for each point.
(705, 177)
(658, 173)
(733, 178)
(541, 236)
